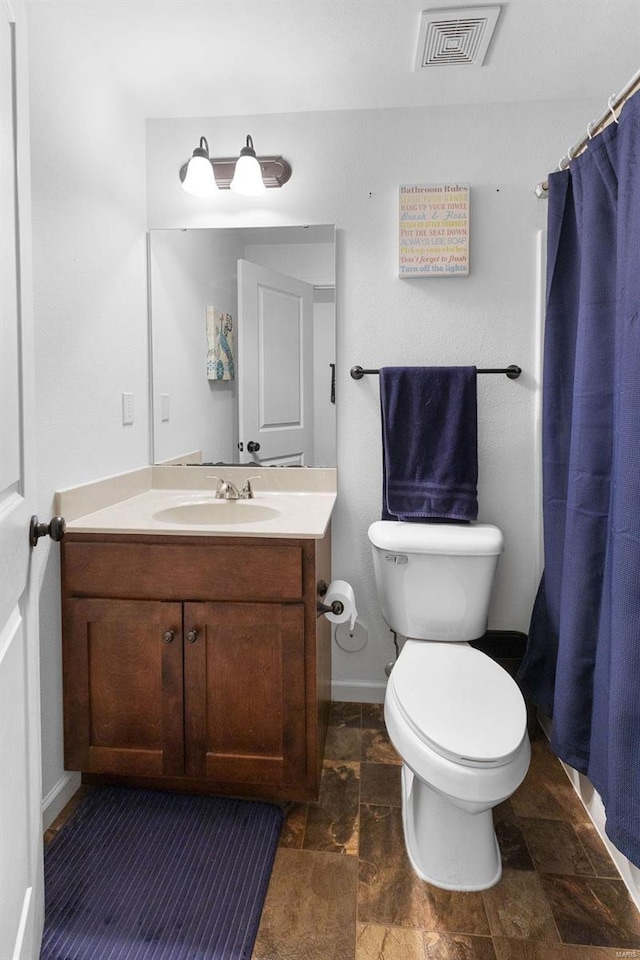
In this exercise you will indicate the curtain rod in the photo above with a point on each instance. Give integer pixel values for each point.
(542, 189)
(512, 371)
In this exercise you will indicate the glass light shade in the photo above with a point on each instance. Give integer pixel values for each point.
(247, 178)
(199, 180)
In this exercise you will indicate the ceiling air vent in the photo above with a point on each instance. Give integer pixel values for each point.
(455, 35)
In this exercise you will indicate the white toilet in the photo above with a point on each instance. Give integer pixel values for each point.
(456, 717)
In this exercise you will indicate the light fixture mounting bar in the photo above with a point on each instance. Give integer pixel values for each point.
(275, 171)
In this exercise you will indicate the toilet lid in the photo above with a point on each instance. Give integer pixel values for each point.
(461, 703)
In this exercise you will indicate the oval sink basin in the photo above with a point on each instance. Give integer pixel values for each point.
(215, 512)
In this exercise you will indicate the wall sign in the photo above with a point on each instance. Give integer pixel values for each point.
(434, 230)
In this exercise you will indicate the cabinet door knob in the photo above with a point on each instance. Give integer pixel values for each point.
(192, 636)
(168, 636)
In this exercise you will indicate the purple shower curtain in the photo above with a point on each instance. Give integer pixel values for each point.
(582, 663)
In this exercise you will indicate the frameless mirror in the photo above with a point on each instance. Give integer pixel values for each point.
(242, 325)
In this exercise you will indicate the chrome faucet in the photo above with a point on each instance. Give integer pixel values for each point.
(247, 490)
(227, 490)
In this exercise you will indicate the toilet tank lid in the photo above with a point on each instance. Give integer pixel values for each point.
(464, 539)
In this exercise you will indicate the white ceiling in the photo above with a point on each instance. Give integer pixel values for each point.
(182, 58)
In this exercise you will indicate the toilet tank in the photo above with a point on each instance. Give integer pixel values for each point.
(434, 580)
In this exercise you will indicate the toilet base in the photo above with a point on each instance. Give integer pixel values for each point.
(447, 846)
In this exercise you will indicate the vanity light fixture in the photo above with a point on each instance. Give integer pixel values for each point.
(247, 174)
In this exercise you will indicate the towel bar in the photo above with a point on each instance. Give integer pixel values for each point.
(512, 371)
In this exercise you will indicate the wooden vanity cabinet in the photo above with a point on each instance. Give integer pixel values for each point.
(196, 663)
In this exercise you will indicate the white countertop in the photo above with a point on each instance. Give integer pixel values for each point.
(302, 503)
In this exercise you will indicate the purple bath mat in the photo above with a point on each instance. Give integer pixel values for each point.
(145, 875)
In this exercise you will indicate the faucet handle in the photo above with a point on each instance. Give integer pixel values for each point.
(247, 490)
(218, 485)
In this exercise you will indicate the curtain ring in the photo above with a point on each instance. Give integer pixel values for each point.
(610, 105)
(570, 153)
(590, 127)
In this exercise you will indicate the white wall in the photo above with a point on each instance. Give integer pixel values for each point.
(88, 187)
(346, 169)
(191, 270)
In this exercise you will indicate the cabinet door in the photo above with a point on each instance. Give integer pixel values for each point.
(245, 692)
(123, 687)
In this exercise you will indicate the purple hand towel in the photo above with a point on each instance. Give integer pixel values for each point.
(429, 443)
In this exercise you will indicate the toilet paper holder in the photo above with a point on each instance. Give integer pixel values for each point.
(337, 607)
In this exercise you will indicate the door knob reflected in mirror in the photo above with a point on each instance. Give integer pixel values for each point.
(55, 529)
(253, 446)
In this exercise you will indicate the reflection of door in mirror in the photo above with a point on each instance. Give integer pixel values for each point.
(286, 341)
(275, 372)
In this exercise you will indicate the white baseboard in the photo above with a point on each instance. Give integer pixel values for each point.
(592, 802)
(58, 797)
(594, 806)
(358, 691)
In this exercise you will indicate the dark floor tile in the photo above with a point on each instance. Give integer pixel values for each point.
(342, 743)
(518, 908)
(380, 783)
(534, 729)
(457, 946)
(310, 909)
(373, 716)
(513, 847)
(593, 910)
(332, 822)
(374, 942)
(510, 664)
(555, 846)
(292, 833)
(603, 865)
(504, 811)
(377, 748)
(458, 912)
(344, 714)
(546, 790)
(566, 797)
(534, 950)
(391, 894)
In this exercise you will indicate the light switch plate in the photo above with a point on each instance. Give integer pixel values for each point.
(127, 408)
(164, 407)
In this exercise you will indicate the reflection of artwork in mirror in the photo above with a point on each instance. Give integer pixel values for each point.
(272, 289)
(220, 359)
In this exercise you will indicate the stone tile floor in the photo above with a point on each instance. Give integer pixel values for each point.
(343, 889)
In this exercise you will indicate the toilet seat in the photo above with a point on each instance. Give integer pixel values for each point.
(459, 702)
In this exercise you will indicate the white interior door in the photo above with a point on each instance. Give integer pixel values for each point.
(21, 870)
(275, 366)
